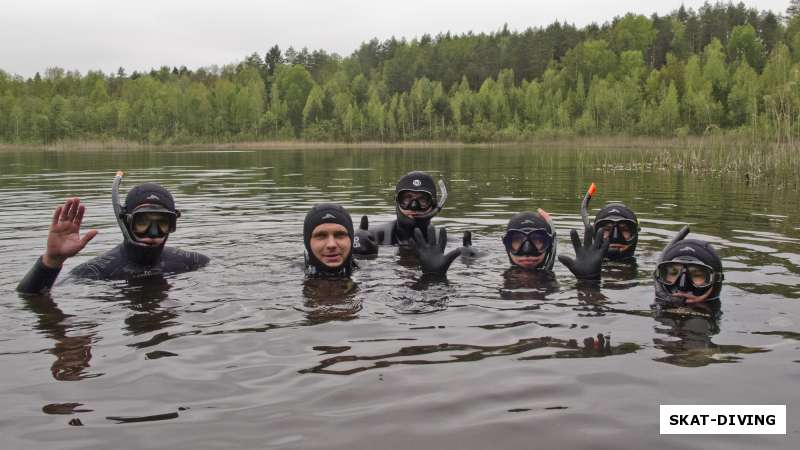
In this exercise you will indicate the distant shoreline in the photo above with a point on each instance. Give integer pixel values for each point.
(741, 156)
(596, 142)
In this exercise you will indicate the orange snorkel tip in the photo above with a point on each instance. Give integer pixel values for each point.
(592, 190)
(585, 205)
(544, 214)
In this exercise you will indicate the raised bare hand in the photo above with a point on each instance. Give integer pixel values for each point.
(64, 239)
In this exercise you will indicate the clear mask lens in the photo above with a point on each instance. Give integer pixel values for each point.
(152, 224)
(415, 201)
(539, 240)
(699, 275)
(617, 230)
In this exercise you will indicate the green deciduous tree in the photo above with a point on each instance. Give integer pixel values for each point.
(632, 32)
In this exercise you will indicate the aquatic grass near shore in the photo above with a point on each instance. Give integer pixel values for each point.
(774, 164)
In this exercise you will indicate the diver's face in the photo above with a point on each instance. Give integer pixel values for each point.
(528, 262)
(625, 229)
(144, 221)
(330, 244)
(413, 204)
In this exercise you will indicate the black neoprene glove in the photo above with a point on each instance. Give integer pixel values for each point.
(363, 240)
(431, 252)
(588, 257)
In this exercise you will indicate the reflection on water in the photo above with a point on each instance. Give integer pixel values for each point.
(72, 344)
(691, 331)
(327, 299)
(451, 353)
(520, 284)
(246, 346)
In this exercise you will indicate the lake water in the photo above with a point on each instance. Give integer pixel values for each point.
(245, 354)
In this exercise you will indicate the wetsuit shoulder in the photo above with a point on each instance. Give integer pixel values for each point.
(175, 260)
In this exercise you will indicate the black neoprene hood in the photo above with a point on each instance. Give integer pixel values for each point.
(418, 182)
(149, 193)
(318, 215)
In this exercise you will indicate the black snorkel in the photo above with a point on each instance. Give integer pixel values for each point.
(585, 206)
(664, 298)
(119, 213)
(677, 238)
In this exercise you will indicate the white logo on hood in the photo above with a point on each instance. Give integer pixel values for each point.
(417, 183)
(153, 197)
(328, 216)
(687, 248)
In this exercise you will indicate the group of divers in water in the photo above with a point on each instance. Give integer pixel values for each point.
(688, 275)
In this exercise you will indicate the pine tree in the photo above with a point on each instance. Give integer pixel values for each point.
(793, 9)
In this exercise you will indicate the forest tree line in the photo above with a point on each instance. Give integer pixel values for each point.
(723, 67)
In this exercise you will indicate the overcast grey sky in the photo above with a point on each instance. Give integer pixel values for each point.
(142, 34)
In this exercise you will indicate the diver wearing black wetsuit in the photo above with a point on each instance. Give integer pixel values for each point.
(689, 274)
(416, 203)
(328, 241)
(530, 241)
(620, 228)
(612, 237)
(531, 245)
(146, 220)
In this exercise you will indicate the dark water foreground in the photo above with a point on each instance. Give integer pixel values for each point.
(244, 354)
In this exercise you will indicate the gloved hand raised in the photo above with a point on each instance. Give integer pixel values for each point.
(431, 252)
(363, 240)
(588, 257)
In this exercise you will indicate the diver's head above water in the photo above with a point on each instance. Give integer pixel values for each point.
(150, 214)
(689, 272)
(146, 219)
(416, 200)
(530, 241)
(620, 227)
(328, 240)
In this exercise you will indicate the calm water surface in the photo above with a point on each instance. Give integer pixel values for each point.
(245, 354)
